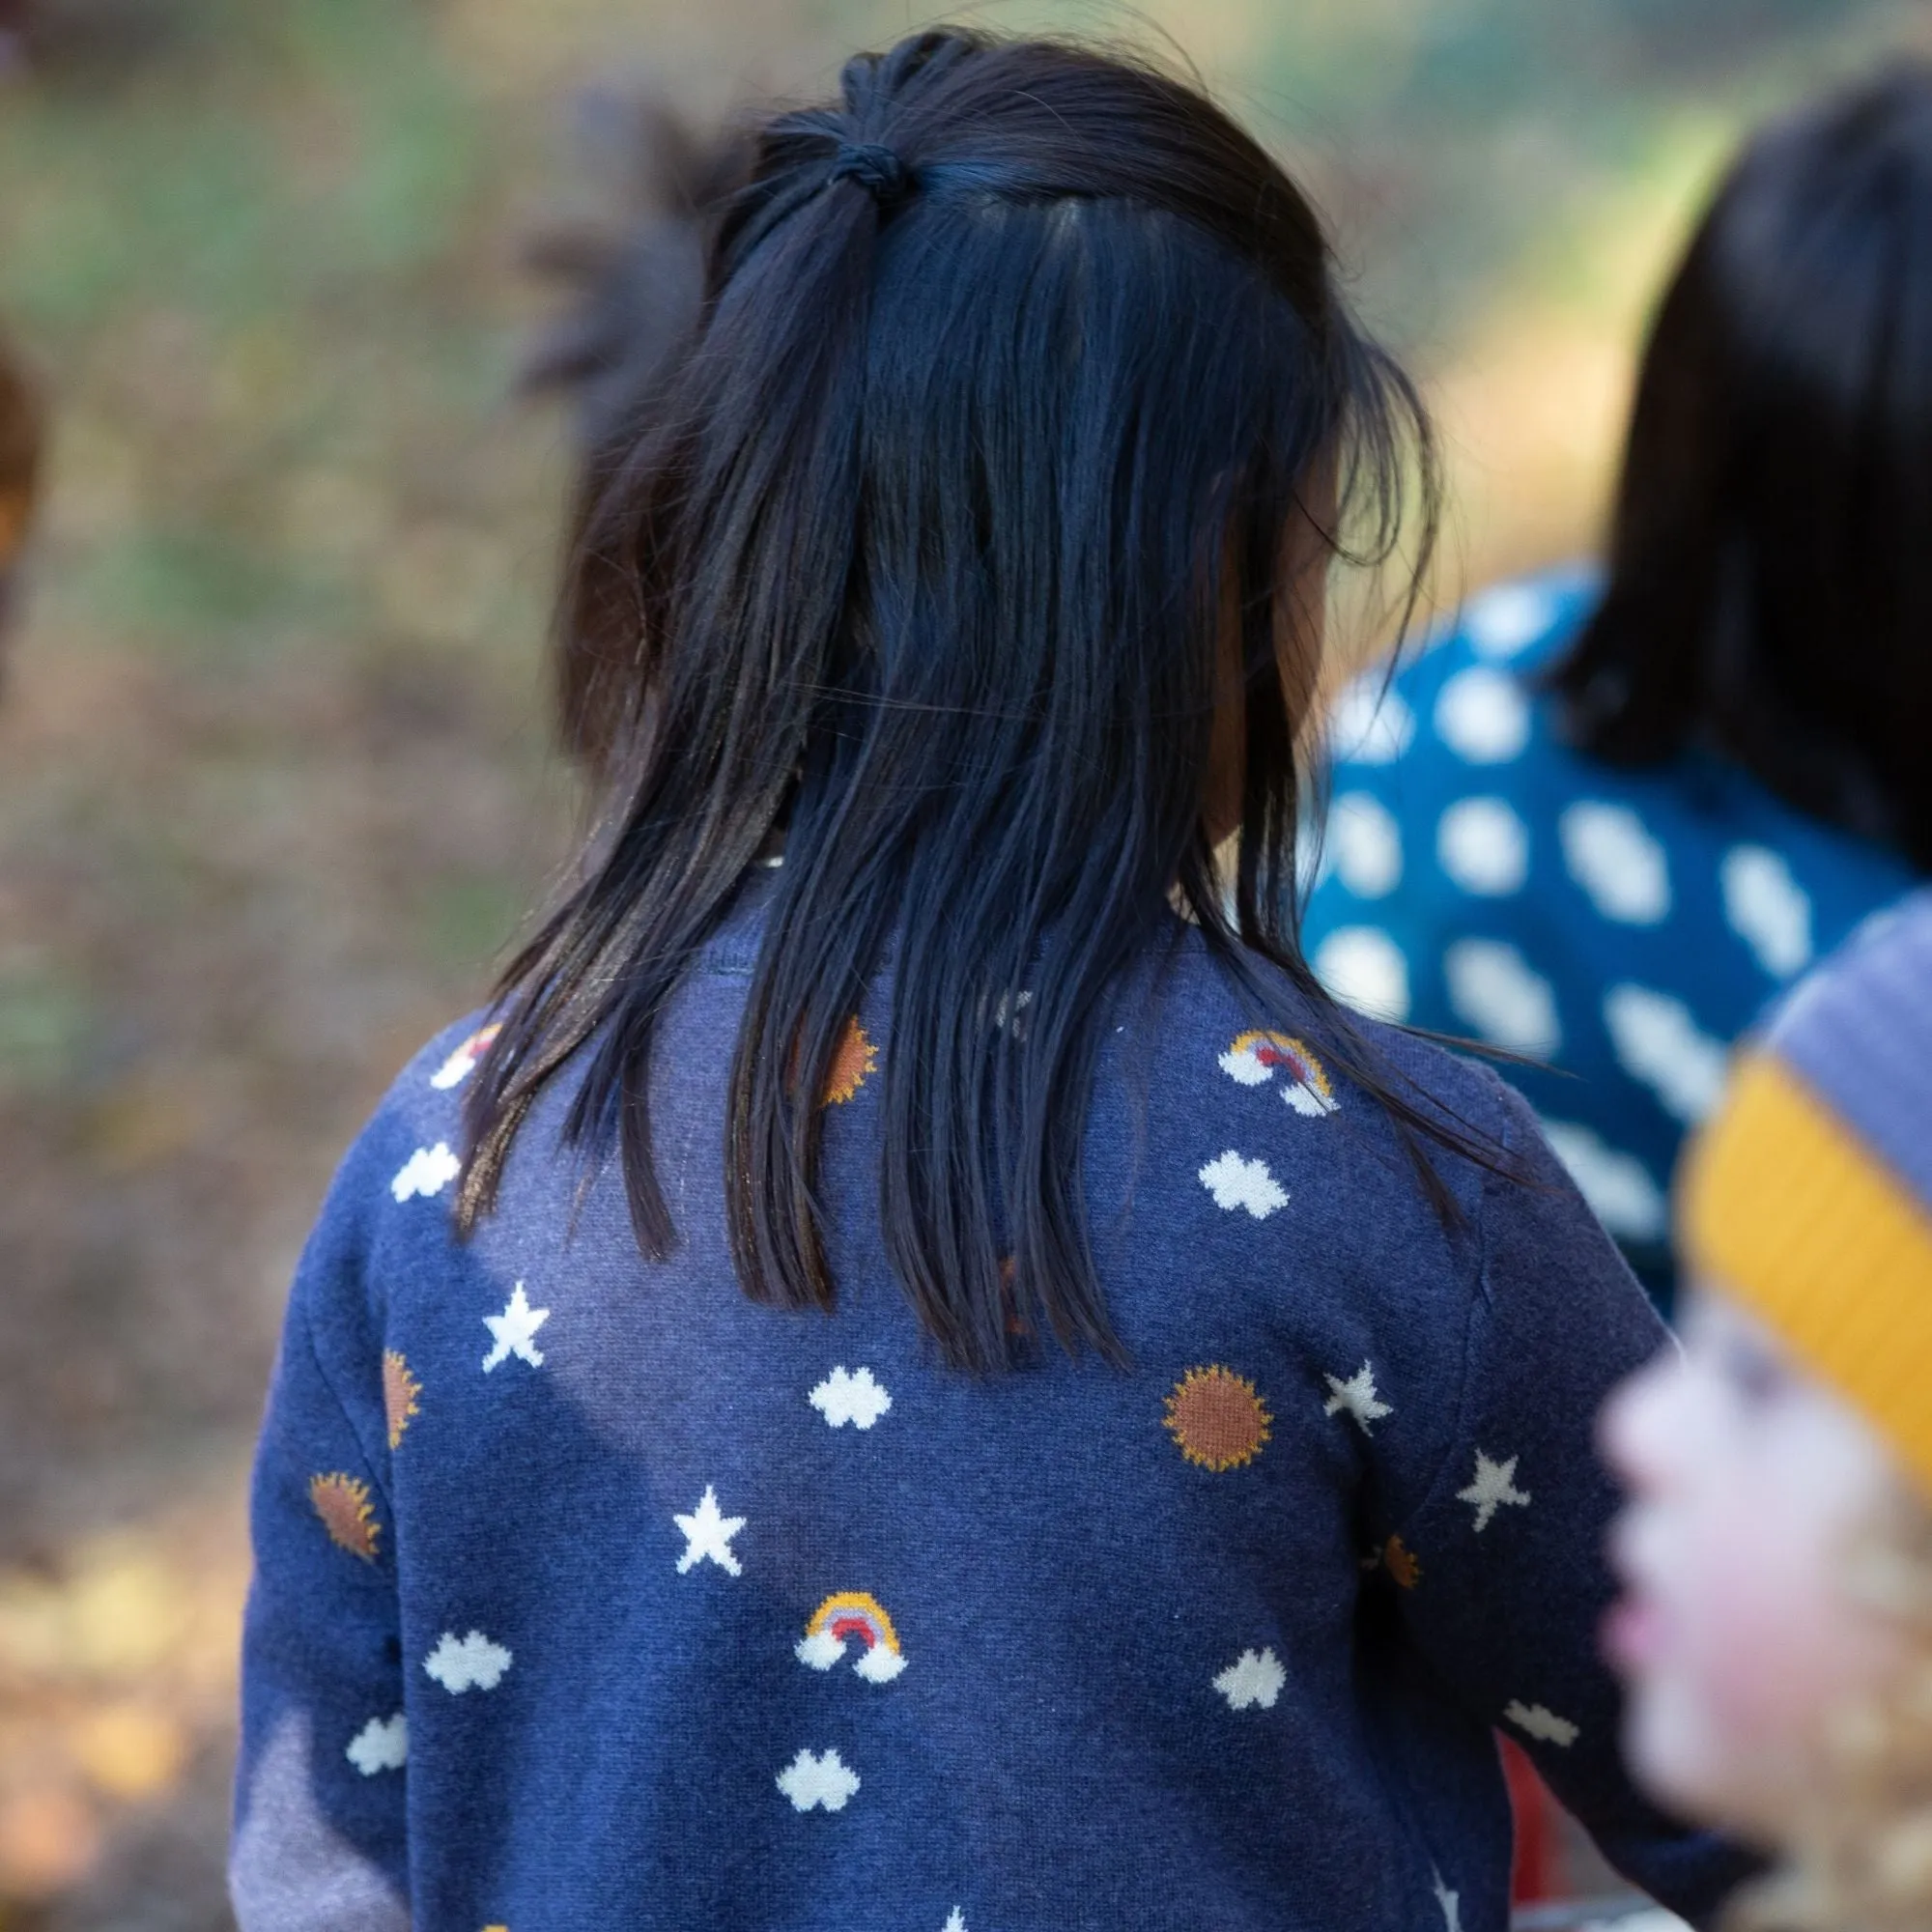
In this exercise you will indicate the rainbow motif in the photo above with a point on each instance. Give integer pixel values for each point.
(1253, 1057)
(462, 1064)
(846, 1614)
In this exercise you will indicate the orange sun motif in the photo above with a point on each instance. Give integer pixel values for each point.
(1217, 1418)
(343, 1505)
(856, 1057)
(1402, 1564)
(400, 1390)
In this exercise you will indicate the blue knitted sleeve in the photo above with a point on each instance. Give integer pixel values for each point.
(1500, 1565)
(320, 1820)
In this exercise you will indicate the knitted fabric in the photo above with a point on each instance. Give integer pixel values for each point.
(1809, 1199)
(624, 1601)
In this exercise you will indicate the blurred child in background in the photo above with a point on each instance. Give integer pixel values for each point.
(1612, 812)
(900, 1381)
(1777, 1555)
(637, 281)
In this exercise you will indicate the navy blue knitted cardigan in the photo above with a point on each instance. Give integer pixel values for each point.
(589, 1594)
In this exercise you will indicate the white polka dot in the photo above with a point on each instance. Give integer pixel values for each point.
(1617, 1185)
(1661, 1045)
(1482, 715)
(1363, 967)
(1508, 619)
(1768, 909)
(1616, 860)
(1493, 988)
(1484, 848)
(1371, 724)
(1366, 843)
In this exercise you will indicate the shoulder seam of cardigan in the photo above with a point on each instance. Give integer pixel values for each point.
(376, 1469)
(1455, 1441)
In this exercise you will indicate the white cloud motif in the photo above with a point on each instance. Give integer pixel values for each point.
(1234, 1182)
(1253, 1678)
(1363, 968)
(463, 1060)
(879, 1664)
(810, 1779)
(1493, 987)
(1483, 716)
(858, 1398)
(1538, 1722)
(1371, 724)
(427, 1172)
(466, 1664)
(1612, 856)
(1768, 909)
(1366, 843)
(1660, 1044)
(1484, 848)
(1508, 619)
(821, 1649)
(382, 1744)
(1617, 1185)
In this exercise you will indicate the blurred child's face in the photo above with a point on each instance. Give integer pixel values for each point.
(1750, 1486)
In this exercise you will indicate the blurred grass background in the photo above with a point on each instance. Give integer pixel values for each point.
(276, 783)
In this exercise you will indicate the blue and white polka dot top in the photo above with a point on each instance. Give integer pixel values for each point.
(1479, 877)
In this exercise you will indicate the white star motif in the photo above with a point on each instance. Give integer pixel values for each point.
(956, 1921)
(1538, 1721)
(1451, 1903)
(1493, 1486)
(1356, 1395)
(1252, 1679)
(513, 1330)
(708, 1532)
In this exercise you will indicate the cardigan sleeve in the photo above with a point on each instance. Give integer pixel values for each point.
(1500, 1569)
(319, 1837)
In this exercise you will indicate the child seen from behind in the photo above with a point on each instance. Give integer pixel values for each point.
(914, 1371)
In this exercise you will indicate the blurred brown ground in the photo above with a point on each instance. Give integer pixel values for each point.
(274, 777)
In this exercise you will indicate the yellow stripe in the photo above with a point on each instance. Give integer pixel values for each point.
(1786, 1210)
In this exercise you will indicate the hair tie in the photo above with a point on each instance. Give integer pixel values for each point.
(877, 169)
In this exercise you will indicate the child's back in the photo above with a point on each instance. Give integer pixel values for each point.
(704, 1615)
(967, 1397)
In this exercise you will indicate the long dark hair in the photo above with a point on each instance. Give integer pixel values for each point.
(1012, 370)
(1770, 586)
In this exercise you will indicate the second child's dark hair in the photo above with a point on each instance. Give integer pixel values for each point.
(933, 555)
(1770, 588)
